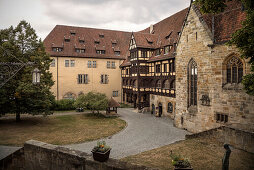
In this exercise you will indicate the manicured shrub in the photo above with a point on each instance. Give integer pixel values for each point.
(63, 104)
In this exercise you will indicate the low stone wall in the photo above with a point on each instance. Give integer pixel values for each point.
(240, 139)
(14, 161)
(38, 155)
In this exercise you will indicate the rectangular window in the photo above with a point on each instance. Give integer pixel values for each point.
(89, 64)
(67, 63)
(143, 54)
(82, 78)
(100, 51)
(115, 93)
(157, 52)
(104, 79)
(77, 50)
(166, 49)
(117, 52)
(81, 41)
(108, 64)
(72, 63)
(56, 49)
(127, 71)
(94, 64)
(221, 118)
(113, 64)
(158, 68)
(165, 68)
(66, 40)
(53, 63)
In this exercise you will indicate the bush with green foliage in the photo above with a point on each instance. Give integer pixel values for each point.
(92, 101)
(63, 104)
(101, 147)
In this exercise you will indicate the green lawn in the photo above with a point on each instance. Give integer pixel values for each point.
(65, 129)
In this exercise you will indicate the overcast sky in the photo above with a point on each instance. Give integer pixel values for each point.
(124, 15)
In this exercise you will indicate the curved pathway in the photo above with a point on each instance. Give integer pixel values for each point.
(143, 132)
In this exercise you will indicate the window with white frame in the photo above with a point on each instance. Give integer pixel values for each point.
(113, 64)
(72, 63)
(104, 79)
(82, 78)
(89, 64)
(115, 93)
(108, 64)
(67, 63)
(94, 64)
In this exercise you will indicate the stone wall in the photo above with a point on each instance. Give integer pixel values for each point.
(196, 44)
(164, 100)
(43, 156)
(240, 139)
(14, 161)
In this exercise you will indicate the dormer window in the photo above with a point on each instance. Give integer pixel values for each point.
(82, 41)
(101, 35)
(78, 50)
(57, 49)
(167, 37)
(157, 52)
(97, 41)
(166, 49)
(117, 52)
(67, 39)
(73, 32)
(100, 51)
(114, 42)
(149, 40)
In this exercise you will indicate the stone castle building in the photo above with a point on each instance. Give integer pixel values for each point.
(179, 67)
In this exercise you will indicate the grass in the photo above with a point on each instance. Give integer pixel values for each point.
(203, 154)
(60, 130)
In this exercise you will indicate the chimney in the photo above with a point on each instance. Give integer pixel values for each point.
(151, 28)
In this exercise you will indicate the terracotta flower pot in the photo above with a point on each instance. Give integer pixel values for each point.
(100, 156)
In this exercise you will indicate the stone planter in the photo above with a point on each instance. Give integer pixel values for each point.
(101, 157)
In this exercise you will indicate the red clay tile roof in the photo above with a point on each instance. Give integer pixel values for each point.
(227, 22)
(89, 35)
(113, 103)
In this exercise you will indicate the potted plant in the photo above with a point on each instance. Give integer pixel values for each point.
(180, 163)
(101, 151)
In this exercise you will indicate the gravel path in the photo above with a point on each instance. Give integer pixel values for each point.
(144, 132)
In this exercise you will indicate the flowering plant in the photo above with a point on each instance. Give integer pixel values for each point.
(101, 147)
(179, 162)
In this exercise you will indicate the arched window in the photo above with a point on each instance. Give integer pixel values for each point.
(234, 70)
(192, 83)
(158, 84)
(170, 108)
(135, 84)
(165, 84)
(69, 95)
(172, 84)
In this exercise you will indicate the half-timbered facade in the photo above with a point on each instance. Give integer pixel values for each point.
(148, 75)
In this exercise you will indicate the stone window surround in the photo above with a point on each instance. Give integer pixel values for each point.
(231, 86)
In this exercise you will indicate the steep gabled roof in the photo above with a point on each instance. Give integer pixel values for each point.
(225, 23)
(104, 39)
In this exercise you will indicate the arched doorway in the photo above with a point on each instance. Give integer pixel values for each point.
(153, 109)
(160, 109)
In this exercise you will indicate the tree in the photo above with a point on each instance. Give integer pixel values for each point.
(243, 38)
(19, 95)
(92, 101)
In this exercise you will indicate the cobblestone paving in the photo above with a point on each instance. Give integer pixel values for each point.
(143, 132)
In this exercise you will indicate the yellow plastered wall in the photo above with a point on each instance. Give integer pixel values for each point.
(67, 77)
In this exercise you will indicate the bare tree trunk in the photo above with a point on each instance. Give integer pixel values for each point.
(17, 117)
